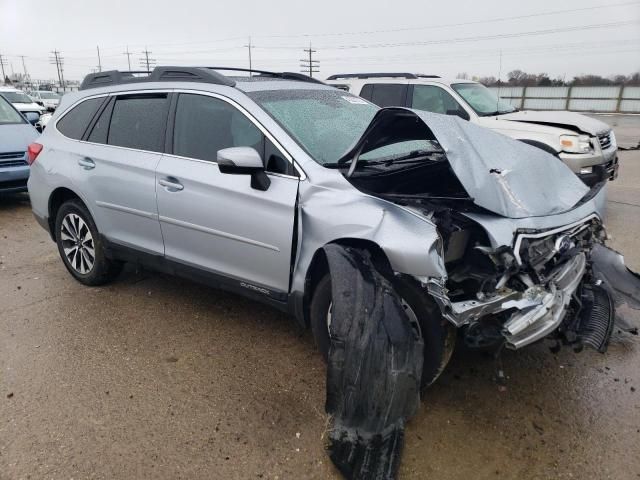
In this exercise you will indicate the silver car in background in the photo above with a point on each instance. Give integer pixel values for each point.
(243, 182)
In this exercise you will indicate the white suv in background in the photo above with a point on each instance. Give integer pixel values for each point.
(586, 145)
(49, 100)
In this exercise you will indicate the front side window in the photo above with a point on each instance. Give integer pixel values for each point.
(8, 115)
(74, 123)
(434, 99)
(204, 125)
(326, 123)
(139, 121)
(482, 100)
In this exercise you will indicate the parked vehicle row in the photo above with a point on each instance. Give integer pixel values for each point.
(586, 145)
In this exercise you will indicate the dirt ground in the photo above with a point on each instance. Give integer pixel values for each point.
(156, 377)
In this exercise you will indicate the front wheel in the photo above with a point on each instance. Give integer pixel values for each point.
(80, 246)
(438, 334)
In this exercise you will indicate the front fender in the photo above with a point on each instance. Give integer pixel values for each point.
(410, 241)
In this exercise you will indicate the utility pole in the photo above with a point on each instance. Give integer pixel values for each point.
(24, 67)
(310, 66)
(147, 62)
(26, 80)
(250, 66)
(57, 59)
(3, 62)
(99, 62)
(128, 57)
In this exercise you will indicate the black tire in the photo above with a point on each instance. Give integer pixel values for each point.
(103, 269)
(438, 334)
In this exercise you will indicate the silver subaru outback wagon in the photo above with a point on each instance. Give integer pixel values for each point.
(244, 182)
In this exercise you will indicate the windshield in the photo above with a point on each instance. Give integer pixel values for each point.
(8, 115)
(17, 97)
(326, 123)
(482, 100)
(49, 95)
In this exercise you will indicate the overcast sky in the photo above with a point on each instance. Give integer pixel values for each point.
(437, 37)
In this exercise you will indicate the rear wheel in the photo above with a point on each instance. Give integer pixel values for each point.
(80, 245)
(437, 333)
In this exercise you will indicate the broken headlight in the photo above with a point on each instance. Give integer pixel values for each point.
(575, 143)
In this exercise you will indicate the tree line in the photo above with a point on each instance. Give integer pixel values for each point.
(518, 78)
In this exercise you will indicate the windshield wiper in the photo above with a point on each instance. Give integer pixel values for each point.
(496, 113)
(415, 156)
(425, 196)
(411, 157)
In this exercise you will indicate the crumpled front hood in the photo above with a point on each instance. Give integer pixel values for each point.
(571, 120)
(502, 175)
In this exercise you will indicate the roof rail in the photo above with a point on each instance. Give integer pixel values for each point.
(181, 74)
(283, 75)
(159, 74)
(380, 75)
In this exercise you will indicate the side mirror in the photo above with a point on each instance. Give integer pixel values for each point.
(459, 113)
(244, 161)
(32, 117)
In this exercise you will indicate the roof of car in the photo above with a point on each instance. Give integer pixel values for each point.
(392, 78)
(9, 89)
(202, 75)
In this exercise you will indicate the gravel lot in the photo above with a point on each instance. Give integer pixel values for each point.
(156, 377)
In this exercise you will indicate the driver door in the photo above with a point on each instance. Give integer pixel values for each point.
(217, 222)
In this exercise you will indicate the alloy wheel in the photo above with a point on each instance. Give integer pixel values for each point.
(77, 243)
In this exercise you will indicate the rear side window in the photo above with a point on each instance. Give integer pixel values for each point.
(139, 121)
(385, 94)
(75, 122)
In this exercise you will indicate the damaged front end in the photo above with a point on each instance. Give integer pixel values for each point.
(541, 278)
(545, 284)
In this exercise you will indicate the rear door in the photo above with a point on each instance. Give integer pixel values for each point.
(218, 222)
(117, 168)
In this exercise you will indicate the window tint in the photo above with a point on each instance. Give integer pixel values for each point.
(204, 125)
(389, 95)
(101, 128)
(75, 122)
(139, 121)
(367, 91)
(435, 99)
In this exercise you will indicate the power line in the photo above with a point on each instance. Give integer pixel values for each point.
(447, 25)
(465, 39)
(310, 66)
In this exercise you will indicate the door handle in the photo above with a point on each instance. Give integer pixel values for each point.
(87, 163)
(171, 184)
